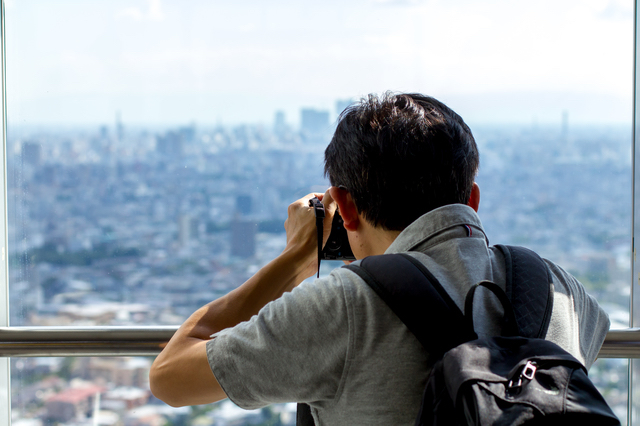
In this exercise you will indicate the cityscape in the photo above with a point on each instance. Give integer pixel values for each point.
(130, 225)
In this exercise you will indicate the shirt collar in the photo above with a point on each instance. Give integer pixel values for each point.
(434, 222)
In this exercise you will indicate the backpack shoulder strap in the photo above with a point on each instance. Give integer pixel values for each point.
(417, 298)
(529, 287)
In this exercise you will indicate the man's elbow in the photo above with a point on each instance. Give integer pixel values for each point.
(159, 383)
(178, 386)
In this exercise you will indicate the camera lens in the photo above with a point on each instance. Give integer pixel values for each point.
(333, 244)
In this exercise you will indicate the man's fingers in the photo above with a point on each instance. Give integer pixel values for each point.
(327, 200)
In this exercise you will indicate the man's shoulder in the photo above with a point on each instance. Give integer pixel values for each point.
(340, 282)
(340, 287)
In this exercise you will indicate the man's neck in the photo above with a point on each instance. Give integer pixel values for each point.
(371, 240)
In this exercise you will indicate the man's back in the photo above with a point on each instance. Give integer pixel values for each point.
(335, 344)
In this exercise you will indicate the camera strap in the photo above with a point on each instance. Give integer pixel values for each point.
(318, 209)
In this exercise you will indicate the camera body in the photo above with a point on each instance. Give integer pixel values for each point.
(337, 246)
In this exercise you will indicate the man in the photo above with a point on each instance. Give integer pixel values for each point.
(402, 171)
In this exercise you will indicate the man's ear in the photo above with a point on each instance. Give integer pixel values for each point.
(347, 207)
(474, 198)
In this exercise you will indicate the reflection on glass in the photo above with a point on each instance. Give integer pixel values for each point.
(153, 148)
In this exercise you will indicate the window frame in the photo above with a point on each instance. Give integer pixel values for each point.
(5, 382)
(73, 341)
(634, 305)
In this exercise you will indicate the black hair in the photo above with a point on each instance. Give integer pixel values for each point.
(400, 156)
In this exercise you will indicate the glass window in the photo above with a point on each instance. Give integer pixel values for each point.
(153, 146)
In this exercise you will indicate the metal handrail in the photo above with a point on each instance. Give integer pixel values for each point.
(623, 343)
(84, 341)
(149, 341)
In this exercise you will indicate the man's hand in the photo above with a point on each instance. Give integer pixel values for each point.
(300, 226)
(181, 375)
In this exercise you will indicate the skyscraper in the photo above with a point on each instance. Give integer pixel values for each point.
(314, 123)
(279, 123)
(31, 152)
(243, 237)
(342, 104)
(243, 229)
(119, 127)
(170, 144)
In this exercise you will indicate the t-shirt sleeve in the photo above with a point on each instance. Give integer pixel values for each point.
(575, 308)
(294, 350)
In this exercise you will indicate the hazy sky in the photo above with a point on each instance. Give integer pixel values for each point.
(178, 61)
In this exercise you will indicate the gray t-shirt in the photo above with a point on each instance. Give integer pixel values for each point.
(336, 345)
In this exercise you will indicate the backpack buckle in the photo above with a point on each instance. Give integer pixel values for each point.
(528, 372)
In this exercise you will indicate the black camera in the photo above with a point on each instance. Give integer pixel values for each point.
(337, 246)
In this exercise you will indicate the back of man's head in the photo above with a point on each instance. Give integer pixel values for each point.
(400, 156)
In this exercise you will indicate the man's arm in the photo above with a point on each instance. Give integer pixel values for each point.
(181, 374)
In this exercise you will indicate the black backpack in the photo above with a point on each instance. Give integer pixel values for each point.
(515, 379)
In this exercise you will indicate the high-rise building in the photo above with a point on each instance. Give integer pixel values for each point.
(188, 133)
(314, 122)
(119, 127)
(243, 228)
(244, 205)
(187, 229)
(170, 144)
(31, 152)
(243, 237)
(279, 123)
(342, 104)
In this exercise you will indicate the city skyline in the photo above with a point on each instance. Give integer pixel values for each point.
(145, 230)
